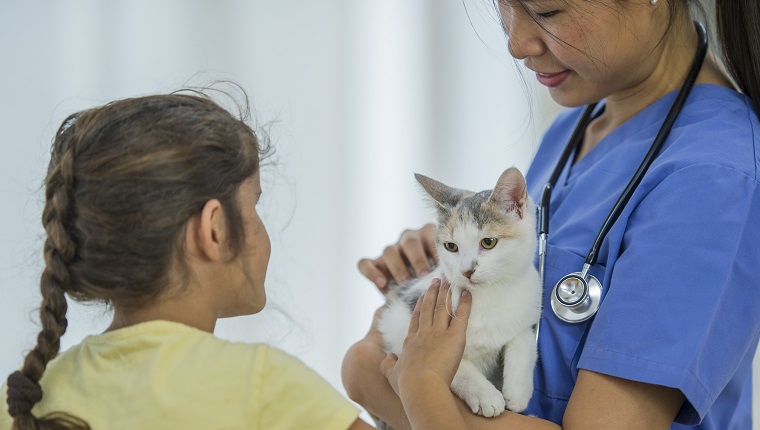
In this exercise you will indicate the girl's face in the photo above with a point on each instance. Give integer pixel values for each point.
(248, 295)
(584, 50)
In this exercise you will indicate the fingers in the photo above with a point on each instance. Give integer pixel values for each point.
(414, 323)
(442, 315)
(462, 315)
(417, 248)
(375, 271)
(409, 257)
(394, 258)
(433, 309)
(429, 303)
(388, 363)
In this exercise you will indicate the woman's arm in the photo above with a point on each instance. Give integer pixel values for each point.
(601, 402)
(360, 424)
(598, 401)
(366, 385)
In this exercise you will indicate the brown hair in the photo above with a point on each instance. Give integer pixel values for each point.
(123, 180)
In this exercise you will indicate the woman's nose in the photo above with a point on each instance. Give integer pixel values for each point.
(524, 35)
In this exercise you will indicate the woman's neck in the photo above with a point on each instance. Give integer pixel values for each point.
(675, 61)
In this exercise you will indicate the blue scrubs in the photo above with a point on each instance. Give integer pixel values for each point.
(680, 268)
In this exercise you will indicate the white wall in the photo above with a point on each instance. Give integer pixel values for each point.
(363, 95)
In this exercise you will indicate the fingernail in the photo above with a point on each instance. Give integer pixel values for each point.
(465, 293)
(380, 282)
(436, 283)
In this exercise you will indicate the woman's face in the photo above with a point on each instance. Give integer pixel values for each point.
(584, 50)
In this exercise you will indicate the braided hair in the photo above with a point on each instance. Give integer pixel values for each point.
(122, 182)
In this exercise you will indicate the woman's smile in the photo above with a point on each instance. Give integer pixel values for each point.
(552, 79)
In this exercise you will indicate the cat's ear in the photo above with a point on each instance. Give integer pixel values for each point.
(444, 196)
(510, 192)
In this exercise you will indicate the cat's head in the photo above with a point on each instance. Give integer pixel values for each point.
(484, 238)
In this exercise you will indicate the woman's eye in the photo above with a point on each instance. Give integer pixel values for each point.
(489, 242)
(547, 14)
(450, 246)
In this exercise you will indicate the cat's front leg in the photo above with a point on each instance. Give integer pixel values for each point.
(519, 362)
(477, 391)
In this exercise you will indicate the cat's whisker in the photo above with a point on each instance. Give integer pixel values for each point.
(448, 307)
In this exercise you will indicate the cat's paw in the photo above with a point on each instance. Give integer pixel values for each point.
(517, 400)
(486, 400)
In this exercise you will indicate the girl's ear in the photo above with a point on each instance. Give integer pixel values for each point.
(209, 231)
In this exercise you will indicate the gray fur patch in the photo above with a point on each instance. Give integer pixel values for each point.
(409, 295)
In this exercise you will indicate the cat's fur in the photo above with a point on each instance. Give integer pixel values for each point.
(505, 288)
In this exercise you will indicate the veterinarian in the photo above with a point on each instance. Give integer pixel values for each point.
(648, 190)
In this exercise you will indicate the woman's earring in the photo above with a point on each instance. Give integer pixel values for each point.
(654, 2)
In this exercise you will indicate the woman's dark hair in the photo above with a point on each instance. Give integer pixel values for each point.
(738, 24)
(123, 181)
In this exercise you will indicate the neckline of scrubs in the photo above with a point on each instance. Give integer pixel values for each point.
(651, 116)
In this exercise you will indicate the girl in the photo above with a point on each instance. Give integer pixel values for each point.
(151, 209)
(673, 341)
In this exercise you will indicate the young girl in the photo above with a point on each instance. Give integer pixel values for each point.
(151, 209)
(673, 340)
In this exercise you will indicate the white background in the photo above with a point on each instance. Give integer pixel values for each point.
(360, 95)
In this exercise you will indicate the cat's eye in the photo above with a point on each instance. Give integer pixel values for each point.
(450, 246)
(489, 242)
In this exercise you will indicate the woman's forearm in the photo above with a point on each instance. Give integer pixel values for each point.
(431, 405)
(367, 386)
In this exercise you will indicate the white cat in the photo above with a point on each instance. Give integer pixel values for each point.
(486, 244)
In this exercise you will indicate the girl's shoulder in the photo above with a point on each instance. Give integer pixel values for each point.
(173, 347)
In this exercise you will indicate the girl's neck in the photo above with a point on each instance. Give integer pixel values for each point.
(183, 308)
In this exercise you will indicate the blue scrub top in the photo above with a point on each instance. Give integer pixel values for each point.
(680, 268)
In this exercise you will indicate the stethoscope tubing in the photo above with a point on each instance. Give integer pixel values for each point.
(659, 140)
(617, 209)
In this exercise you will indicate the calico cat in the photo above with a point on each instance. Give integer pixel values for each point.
(486, 244)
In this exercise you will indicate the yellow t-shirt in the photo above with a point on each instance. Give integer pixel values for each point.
(165, 375)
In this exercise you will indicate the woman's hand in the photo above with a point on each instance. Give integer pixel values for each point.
(435, 343)
(408, 258)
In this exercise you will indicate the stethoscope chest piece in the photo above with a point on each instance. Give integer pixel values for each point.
(576, 297)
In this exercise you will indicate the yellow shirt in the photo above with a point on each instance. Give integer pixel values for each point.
(165, 375)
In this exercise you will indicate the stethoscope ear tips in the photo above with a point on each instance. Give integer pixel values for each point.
(576, 297)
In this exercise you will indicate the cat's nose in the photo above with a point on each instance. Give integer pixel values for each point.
(468, 273)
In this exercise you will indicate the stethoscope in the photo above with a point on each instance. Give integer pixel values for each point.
(577, 296)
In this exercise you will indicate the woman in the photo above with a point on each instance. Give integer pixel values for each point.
(673, 341)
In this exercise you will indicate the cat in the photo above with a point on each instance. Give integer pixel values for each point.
(486, 244)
